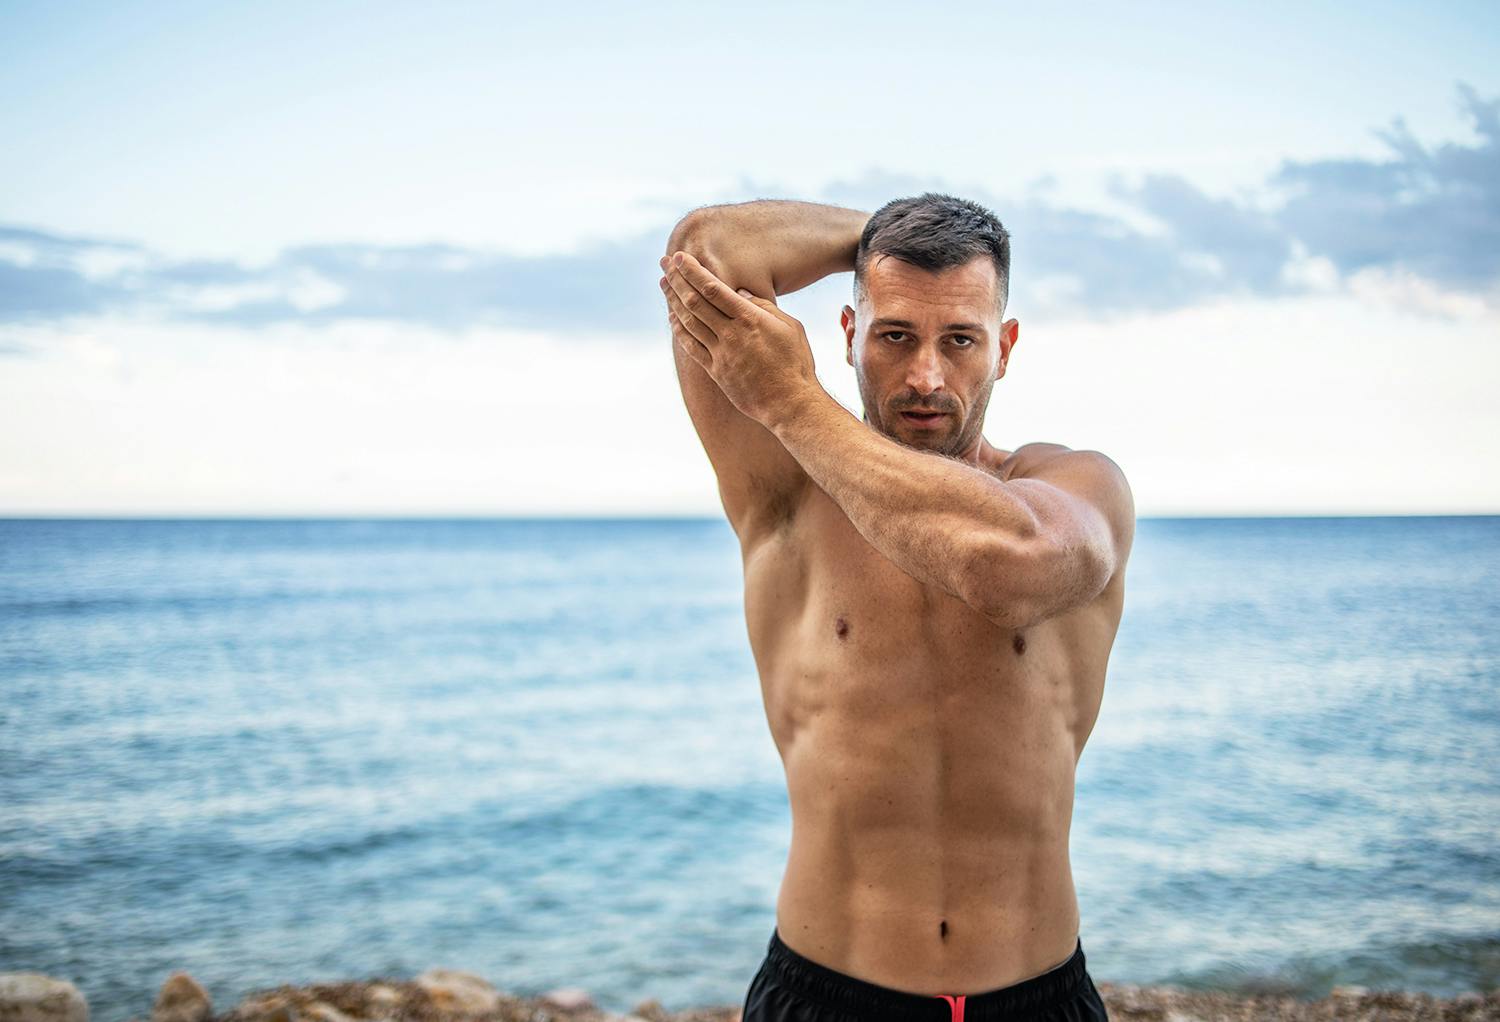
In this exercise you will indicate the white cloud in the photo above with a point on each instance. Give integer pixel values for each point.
(365, 418)
(1317, 405)
(1327, 222)
(1403, 289)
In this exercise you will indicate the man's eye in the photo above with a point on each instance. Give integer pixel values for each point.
(967, 340)
(895, 335)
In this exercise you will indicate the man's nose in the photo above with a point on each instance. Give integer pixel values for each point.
(924, 373)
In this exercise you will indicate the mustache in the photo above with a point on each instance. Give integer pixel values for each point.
(909, 405)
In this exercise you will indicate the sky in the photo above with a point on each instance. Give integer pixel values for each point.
(376, 259)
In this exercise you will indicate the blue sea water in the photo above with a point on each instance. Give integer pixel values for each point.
(274, 751)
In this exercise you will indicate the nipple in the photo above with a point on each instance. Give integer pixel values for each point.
(1018, 644)
(841, 628)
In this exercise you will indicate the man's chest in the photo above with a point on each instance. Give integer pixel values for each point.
(817, 581)
(837, 628)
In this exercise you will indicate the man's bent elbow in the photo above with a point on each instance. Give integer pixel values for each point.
(691, 232)
(1017, 589)
(992, 584)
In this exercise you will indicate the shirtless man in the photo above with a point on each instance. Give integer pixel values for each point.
(931, 616)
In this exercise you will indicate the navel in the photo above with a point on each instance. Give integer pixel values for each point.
(943, 929)
(841, 628)
(1018, 643)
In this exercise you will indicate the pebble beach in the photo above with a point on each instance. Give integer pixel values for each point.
(445, 995)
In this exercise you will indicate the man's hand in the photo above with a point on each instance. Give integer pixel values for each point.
(757, 354)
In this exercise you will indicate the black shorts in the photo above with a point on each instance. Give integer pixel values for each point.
(791, 988)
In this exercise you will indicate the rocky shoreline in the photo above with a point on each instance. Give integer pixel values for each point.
(446, 995)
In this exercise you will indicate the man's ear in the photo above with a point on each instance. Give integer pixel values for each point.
(1010, 332)
(846, 320)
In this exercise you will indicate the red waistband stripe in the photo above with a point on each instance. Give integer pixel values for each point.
(955, 1004)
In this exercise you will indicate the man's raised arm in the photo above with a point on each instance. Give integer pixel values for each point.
(771, 247)
(768, 247)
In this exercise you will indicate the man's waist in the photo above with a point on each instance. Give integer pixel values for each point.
(994, 934)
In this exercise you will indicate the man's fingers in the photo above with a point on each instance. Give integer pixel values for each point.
(769, 304)
(688, 342)
(689, 319)
(694, 300)
(715, 291)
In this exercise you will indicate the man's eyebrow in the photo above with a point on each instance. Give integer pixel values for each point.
(909, 325)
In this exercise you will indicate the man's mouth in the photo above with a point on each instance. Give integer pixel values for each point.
(925, 419)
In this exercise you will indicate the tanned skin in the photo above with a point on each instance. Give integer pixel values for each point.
(931, 616)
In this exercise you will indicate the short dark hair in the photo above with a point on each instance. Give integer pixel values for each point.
(935, 232)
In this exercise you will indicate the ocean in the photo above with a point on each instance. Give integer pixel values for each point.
(271, 751)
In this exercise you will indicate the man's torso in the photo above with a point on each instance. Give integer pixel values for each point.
(929, 756)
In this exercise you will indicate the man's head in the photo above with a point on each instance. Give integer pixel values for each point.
(931, 278)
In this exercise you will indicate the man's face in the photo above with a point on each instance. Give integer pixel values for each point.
(928, 342)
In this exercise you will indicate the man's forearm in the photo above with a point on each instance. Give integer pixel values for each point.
(941, 521)
(771, 246)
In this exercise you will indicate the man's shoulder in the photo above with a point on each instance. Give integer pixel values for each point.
(1028, 458)
(1089, 475)
(1060, 463)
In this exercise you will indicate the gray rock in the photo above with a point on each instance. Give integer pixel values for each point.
(650, 1010)
(382, 995)
(182, 999)
(460, 993)
(36, 997)
(267, 1007)
(569, 999)
(322, 1011)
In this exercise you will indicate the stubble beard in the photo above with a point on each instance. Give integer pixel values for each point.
(952, 446)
